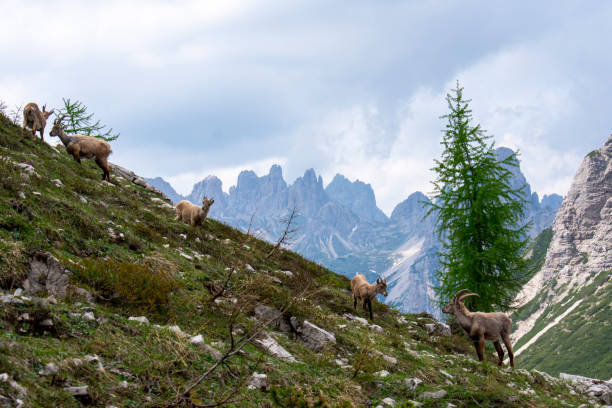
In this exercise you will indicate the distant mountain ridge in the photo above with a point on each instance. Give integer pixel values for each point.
(341, 227)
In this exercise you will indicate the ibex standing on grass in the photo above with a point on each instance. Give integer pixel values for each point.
(35, 119)
(86, 147)
(365, 292)
(191, 213)
(482, 326)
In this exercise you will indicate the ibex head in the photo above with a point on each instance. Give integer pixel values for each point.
(57, 126)
(45, 113)
(453, 305)
(381, 286)
(206, 203)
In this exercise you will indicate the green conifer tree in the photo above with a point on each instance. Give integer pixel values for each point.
(478, 214)
(76, 120)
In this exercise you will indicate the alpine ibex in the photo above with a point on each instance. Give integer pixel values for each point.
(365, 292)
(191, 213)
(35, 119)
(482, 326)
(83, 146)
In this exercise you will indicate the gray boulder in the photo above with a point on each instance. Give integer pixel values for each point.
(46, 275)
(265, 313)
(314, 337)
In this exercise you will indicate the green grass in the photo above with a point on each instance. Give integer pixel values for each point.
(138, 268)
(573, 346)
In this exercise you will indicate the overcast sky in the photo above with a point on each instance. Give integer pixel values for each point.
(357, 88)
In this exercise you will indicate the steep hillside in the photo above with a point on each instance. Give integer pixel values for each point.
(341, 227)
(107, 301)
(564, 323)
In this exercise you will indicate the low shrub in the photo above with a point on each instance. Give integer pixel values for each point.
(139, 286)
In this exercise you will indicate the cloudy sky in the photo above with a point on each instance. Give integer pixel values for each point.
(353, 87)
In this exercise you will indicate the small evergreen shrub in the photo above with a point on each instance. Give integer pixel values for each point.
(138, 286)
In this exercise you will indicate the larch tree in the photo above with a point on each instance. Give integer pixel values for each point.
(478, 214)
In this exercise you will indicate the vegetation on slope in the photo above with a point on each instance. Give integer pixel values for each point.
(121, 243)
(573, 346)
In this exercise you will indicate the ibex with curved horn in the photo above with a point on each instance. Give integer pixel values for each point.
(83, 146)
(482, 326)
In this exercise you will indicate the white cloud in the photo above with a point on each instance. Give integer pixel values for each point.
(210, 87)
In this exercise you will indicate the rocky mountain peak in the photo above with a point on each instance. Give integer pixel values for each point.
(582, 236)
(412, 209)
(356, 196)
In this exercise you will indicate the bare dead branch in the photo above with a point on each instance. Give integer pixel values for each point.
(289, 230)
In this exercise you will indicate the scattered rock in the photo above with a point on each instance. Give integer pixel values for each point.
(82, 199)
(314, 337)
(46, 275)
(274, 279)
(413, 383)
(376, 328)
(4, 377)
(21, 195)
(177, 330)
(416, 403)
(46, 323)
(342, 363)
(265, 313)
(184, 255)
(49, 369)
(288, 273)
(249, 268)
(258, 381)
(140, 319)
(389, 401)
(134, 178)
(382, 373)
(21, 391)
(592, 387)
(89, 316)
(197, 340)
(28, 170)
(388, 359)
(361, 320)
(272, 346)
(438, 329)
(58, 183)
(78, 391)
(433, 395)
(447, 375)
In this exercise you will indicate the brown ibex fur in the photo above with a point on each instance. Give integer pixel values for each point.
(365, 292)
(35, 119)
(191, 213)
(482, 326)
(84, 147)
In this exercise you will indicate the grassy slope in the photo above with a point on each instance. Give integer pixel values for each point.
(156, 362)
(578, 344)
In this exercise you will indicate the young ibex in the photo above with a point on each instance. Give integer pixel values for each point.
(365, 292)
(83, 146)
(482, 326)
(35, 119)
(191, 213)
